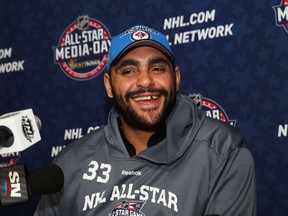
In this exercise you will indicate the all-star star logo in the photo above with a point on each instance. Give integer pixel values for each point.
(281, 14)
(128, 208)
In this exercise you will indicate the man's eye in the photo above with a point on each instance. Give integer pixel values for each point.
(158, 69)
(127, 72)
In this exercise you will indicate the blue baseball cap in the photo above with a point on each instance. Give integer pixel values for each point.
(138, 35)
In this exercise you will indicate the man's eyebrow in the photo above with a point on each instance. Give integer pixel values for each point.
(134, 62)
(127, 62)
(157, 60)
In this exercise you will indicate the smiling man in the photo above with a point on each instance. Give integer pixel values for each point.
(159, 154)
(143, 84)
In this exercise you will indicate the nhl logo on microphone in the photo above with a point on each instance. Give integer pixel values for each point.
(27, 128)
(22, 128)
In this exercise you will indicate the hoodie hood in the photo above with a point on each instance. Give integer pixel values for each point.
(182, 125)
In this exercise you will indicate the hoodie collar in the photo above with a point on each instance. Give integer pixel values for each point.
(157, 137)
(182, 125)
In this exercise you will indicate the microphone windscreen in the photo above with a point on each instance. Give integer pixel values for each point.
(6, 137)
(46, 179)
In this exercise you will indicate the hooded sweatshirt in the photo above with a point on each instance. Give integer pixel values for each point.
(202, 167)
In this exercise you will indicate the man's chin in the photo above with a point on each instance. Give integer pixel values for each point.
(148, 123)
(148, 127)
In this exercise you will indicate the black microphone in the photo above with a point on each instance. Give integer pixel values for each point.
(17, 185)
(46, 180)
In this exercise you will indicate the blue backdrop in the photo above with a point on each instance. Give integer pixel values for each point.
(233, 53)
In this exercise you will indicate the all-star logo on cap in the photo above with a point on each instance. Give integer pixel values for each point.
(140, 35)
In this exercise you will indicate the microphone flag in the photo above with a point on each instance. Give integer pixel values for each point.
(13, 185)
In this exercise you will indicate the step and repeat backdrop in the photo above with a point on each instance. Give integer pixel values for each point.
(233, 57)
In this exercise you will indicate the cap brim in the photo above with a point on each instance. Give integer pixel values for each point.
(150, 43)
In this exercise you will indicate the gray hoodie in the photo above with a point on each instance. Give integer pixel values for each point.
(202, 167)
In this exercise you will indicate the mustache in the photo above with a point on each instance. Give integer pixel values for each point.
(130, 94)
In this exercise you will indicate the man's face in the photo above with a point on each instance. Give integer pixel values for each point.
(143, 84)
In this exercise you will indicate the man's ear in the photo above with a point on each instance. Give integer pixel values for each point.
(177, 78)
(108, 86)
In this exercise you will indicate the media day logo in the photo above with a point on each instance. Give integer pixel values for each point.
(82, 50)
(281, 14)
(211, 108)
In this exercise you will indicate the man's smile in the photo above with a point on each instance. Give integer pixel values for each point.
(146, 98)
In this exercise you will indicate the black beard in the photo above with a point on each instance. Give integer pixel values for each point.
(133, 119)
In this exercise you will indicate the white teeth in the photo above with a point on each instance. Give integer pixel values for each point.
(146, 98)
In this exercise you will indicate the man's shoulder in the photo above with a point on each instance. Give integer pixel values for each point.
(89, 141)
(222, 138)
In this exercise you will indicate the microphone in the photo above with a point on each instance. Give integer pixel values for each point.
(17, 185)
(18, 131)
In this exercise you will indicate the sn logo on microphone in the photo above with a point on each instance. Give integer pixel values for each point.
(12, 184)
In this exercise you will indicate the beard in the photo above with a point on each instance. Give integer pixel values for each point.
(134, 119)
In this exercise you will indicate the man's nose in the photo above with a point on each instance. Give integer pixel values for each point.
(144, 79)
